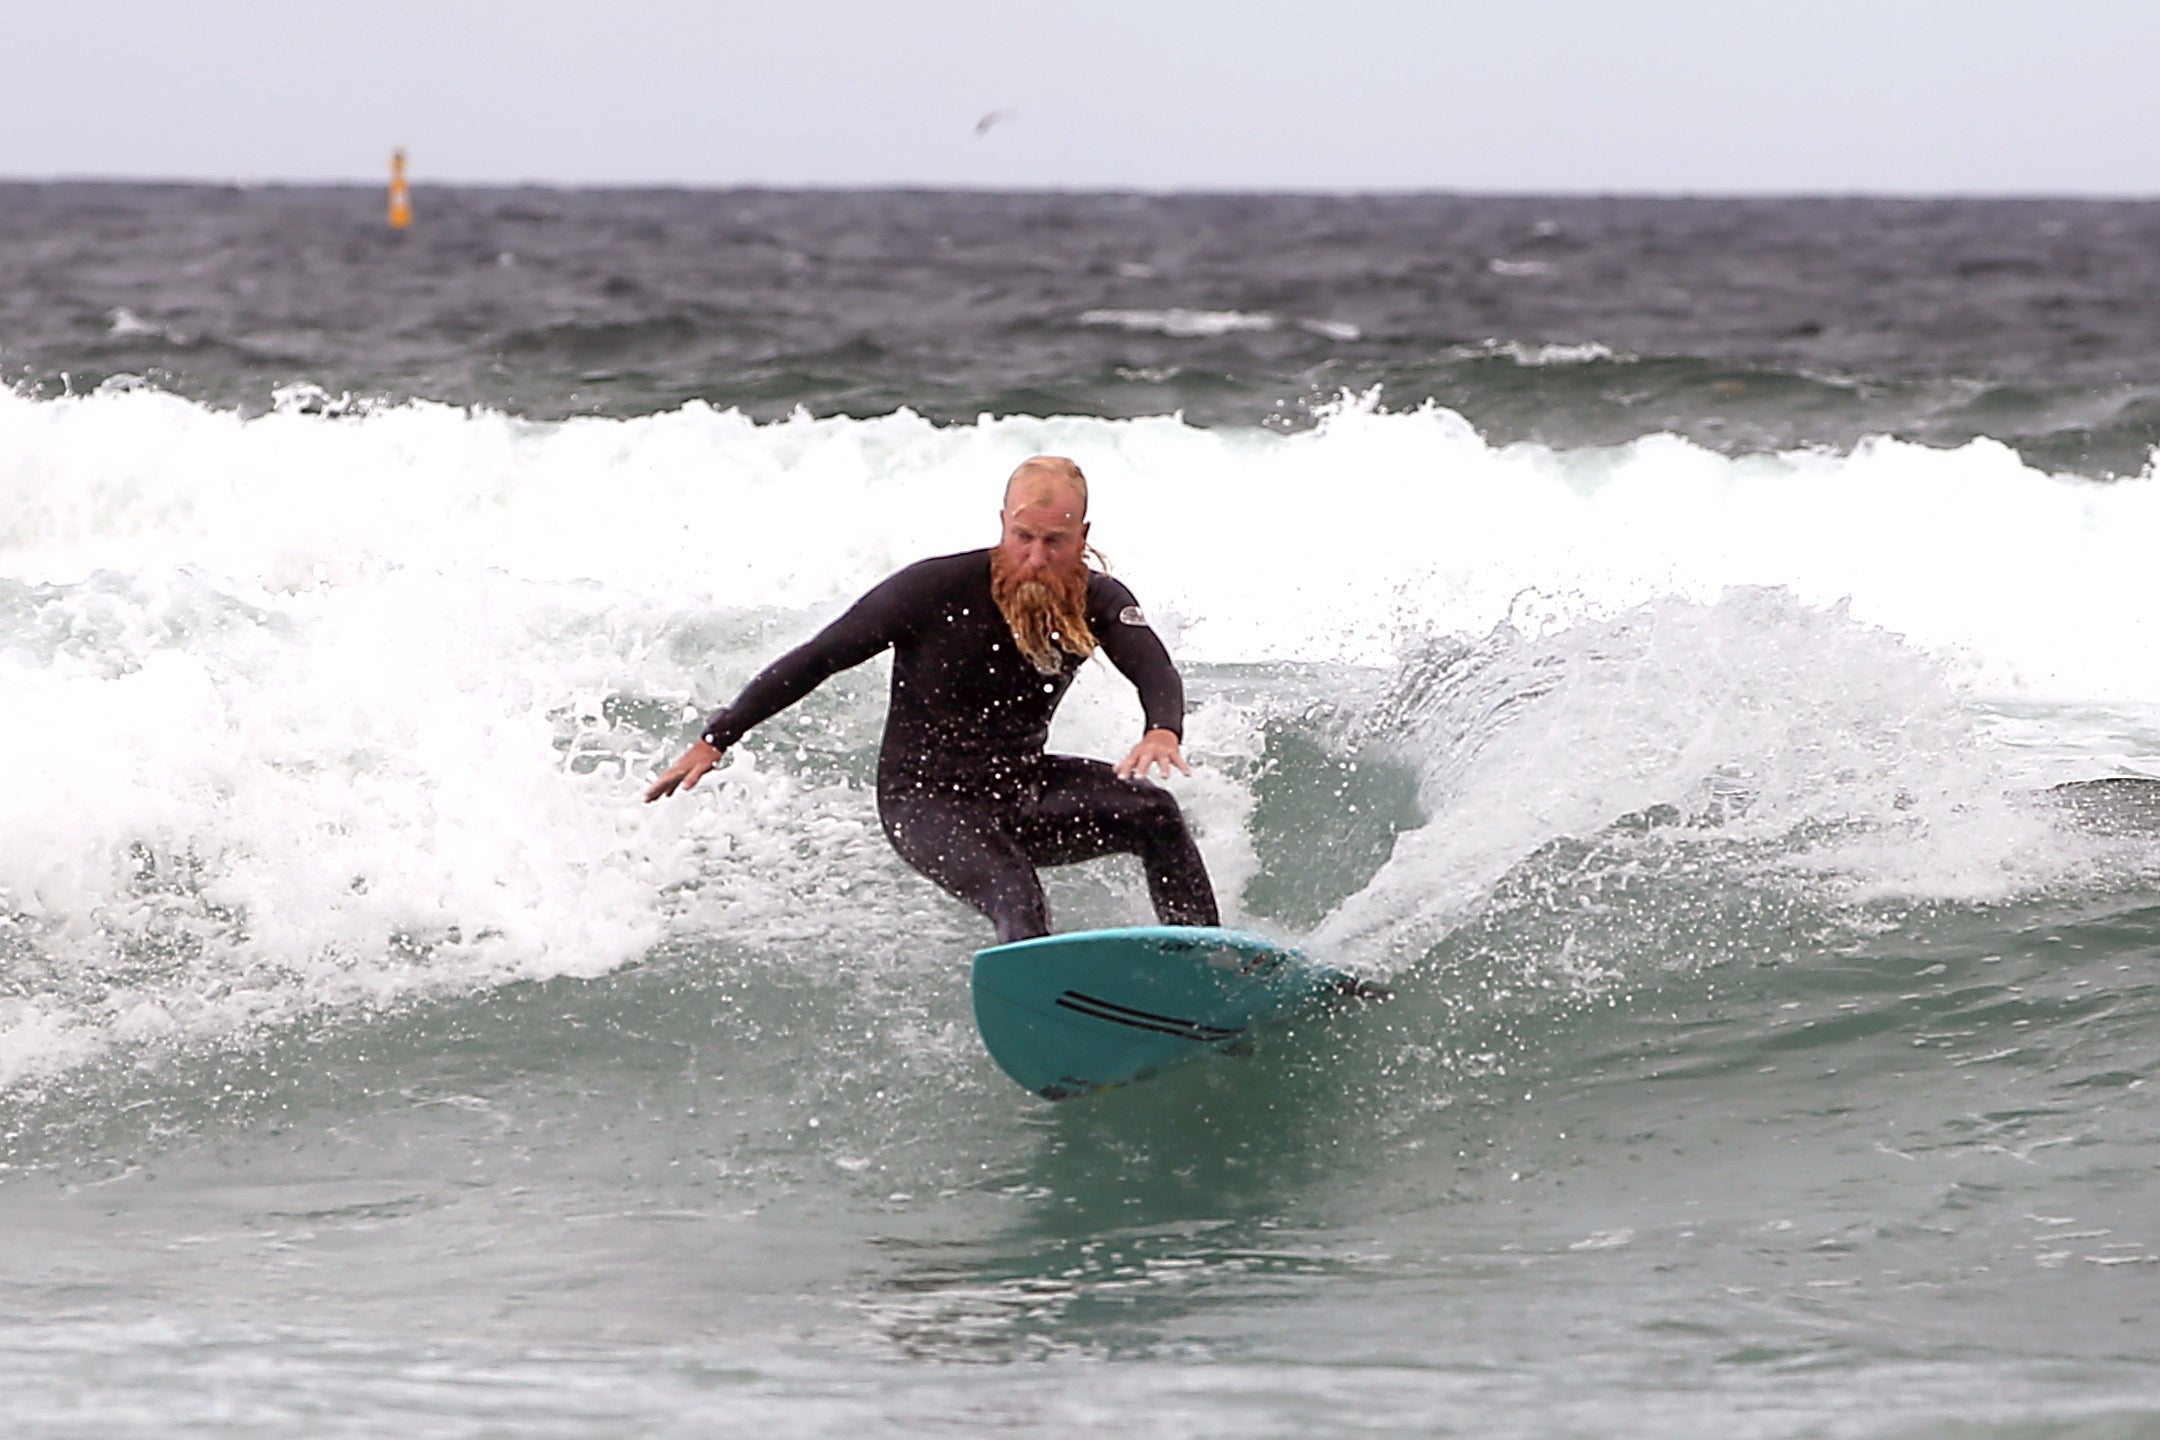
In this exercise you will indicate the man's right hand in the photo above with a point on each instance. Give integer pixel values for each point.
(686, 772)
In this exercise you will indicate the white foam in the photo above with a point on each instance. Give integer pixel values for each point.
(1534, 356)
(232, 810)
(1831, 750)
(1324, 544)
(295, 701)
(1181, 323)
(121, 321)
(1341, 330)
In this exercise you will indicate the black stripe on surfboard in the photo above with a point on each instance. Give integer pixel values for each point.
(1096, 1009)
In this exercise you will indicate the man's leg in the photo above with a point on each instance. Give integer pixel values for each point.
(964, 847)
(1084, 810)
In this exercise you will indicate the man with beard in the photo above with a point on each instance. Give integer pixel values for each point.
(984, 646)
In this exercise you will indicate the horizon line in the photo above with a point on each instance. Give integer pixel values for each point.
(914, 187)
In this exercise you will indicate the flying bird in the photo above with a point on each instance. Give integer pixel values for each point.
(992, 120)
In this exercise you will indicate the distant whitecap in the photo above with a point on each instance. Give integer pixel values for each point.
(1180, 323)
(122, 321)
(1537, 356)
(1332, 329)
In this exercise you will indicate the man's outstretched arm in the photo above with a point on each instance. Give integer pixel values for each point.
(689, 768)
(870, 624)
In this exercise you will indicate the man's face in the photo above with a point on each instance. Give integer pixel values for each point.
(1045, 537)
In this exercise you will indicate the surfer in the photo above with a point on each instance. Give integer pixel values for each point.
(984, 645)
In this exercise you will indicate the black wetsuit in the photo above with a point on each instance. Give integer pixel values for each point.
(966, 794)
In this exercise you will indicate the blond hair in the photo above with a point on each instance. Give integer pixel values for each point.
(1043, 479)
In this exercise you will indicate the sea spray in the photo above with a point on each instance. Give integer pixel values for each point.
(333, 708)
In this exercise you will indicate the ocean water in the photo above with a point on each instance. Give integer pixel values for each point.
(1702, 654)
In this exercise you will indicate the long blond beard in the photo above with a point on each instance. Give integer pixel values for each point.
(1046, 613)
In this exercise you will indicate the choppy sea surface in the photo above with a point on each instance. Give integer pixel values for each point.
(1701, 653)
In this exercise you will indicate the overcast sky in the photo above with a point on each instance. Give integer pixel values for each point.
(1890, 96)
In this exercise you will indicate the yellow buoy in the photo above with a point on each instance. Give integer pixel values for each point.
(400, 193)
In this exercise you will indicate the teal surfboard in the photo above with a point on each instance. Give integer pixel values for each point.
(1067, 1014)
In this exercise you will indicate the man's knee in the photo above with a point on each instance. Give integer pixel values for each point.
(1154, 807)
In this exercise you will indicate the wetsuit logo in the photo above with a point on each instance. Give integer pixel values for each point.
(1131, 615)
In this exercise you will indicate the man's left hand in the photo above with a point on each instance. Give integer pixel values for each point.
(1157, 748)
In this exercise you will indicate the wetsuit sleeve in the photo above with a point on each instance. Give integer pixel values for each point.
(870, 625)
(1139, 654)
